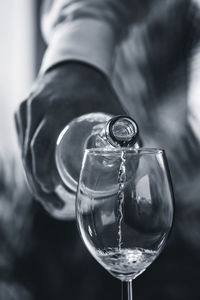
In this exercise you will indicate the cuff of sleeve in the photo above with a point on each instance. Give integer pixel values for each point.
(87, 40)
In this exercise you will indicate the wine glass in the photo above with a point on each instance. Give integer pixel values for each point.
(124, 209)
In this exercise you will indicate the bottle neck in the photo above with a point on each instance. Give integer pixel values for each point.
(122, 131)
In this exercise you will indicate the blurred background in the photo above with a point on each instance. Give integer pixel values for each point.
(20, 54)
(36, 260)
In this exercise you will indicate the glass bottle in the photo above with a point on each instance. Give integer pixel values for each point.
(93, 130)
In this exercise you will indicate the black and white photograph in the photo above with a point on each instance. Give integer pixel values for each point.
(100, 150)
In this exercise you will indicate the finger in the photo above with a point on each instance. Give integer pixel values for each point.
(50, 201)
(48, 192)
(42, 153)
(17, 127)
(21, 122)
(35, 113)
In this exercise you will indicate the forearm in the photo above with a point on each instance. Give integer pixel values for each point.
(83, 30)
(88, 30)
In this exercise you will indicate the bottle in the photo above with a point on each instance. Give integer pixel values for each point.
(88, 131)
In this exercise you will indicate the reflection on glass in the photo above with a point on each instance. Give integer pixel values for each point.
(124, 209)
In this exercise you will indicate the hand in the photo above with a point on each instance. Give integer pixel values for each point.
(63, 93)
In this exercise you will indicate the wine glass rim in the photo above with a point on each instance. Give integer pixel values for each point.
(128, 150)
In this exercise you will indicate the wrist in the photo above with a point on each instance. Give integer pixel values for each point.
(73, 65)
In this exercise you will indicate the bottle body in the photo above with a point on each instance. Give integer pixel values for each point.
(79, 134)
(88, 131)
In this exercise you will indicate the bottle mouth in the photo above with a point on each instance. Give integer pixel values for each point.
(122, 131)
(128, 150)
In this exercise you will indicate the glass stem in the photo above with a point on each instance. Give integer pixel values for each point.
(127, 290)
